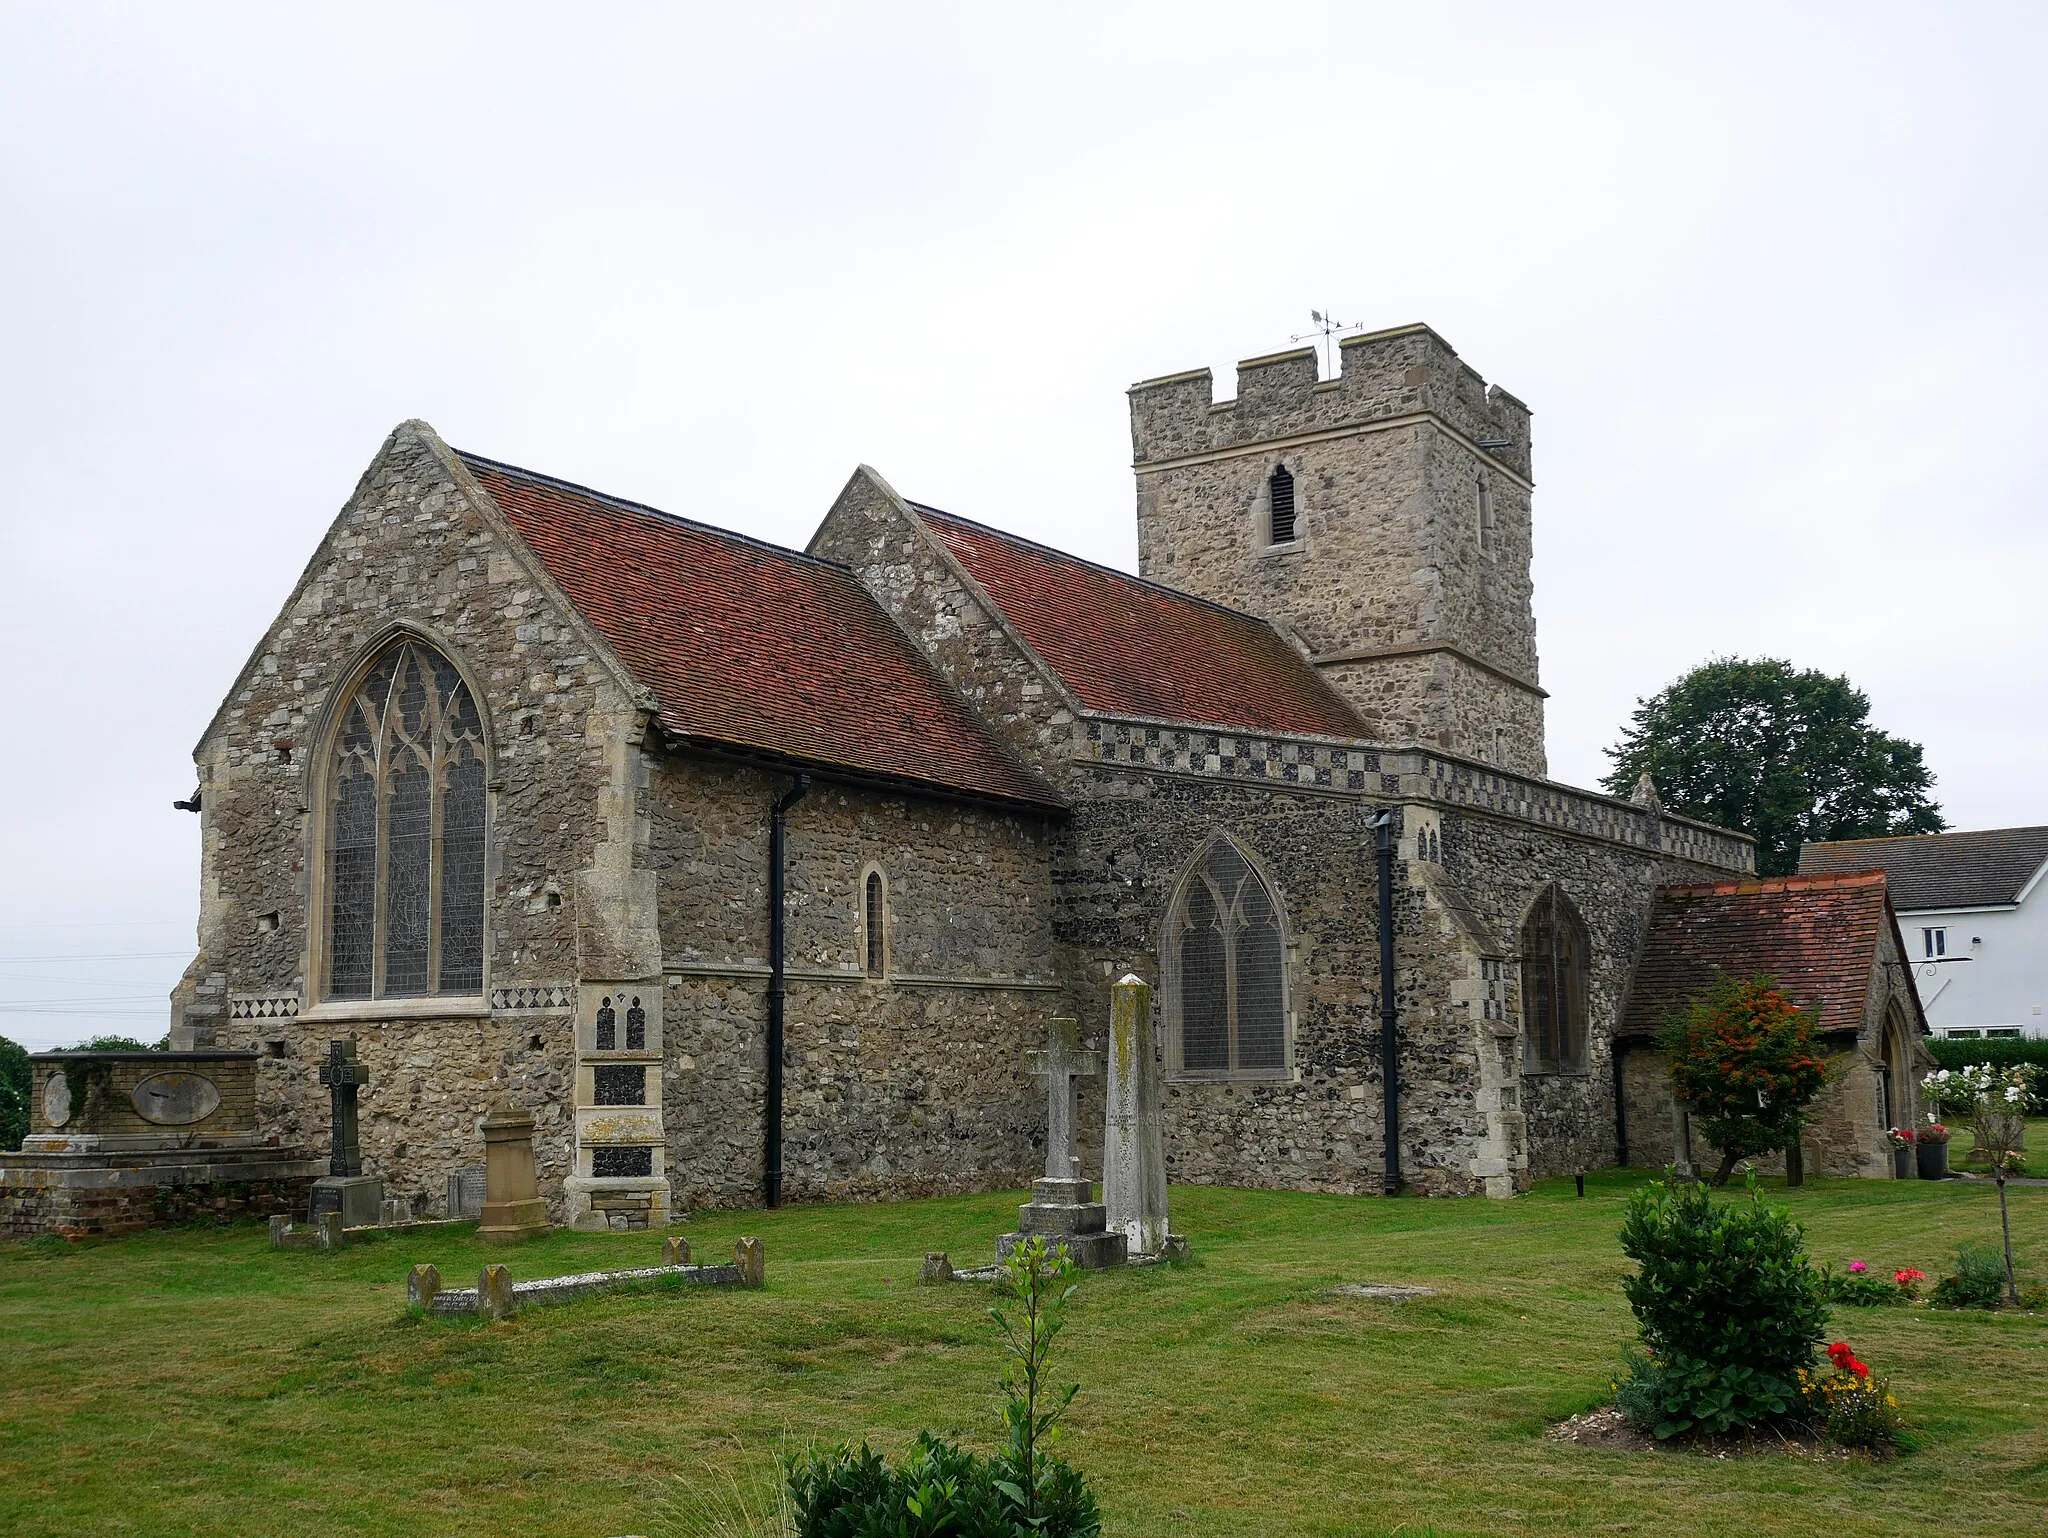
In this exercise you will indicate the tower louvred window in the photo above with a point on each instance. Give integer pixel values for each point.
(1280, 497)
(405, 857)
(1225, 968)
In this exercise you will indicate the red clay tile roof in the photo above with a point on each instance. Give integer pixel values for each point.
(1984, 869)
(1818, 935)
(1128, 647)
(748, 644)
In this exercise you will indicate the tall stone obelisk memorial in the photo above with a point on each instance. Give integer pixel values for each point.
(1133, 1150)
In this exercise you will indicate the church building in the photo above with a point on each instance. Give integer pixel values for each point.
(755, 874)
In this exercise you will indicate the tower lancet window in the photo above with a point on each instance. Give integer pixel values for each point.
(1280, 504)
(1483, 515)
(405, 832)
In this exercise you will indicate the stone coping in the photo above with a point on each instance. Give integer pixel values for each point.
(207, 1055)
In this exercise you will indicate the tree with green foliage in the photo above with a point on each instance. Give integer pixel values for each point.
(15, 1079)
(1746, 1062)
(121, 1044)
(1788, 756)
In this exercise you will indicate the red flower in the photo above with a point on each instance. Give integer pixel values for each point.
(1845, 1360)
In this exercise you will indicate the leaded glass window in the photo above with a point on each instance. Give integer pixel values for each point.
(1553, 985)
(875, 961)
(1225, 968)
(405, 858)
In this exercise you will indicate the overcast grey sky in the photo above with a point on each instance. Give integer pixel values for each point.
(1769, 276)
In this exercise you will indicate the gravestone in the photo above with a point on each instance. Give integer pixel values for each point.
(1063, 1207)
(513, 1208)
(423, 1286)
(752, 1263)
(466, 1192)
(345, 1189)
(1133, 1149)
(675, 1251)
(494, 1292)
(937, 1269)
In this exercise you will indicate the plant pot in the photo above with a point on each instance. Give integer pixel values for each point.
(1902, 1163)
(1933, 1159)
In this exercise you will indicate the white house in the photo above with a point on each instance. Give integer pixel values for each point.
(1973, 908)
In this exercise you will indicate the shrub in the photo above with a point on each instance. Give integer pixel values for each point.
(1728, 1305)
(1851, 1405)
(943, 1491)
(938, 1490)
(2027, 1052)
(1978, 1280)
(1858, 1288)
(1745, 1058)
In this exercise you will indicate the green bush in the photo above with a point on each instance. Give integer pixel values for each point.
(2030, 1052)
(16, 1076)
(942, 1491)
(1978, 1280)
(1859, 1289)
(1729, 1308)
(938, 1490)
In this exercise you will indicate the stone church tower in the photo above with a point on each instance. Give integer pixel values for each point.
(1380, 519)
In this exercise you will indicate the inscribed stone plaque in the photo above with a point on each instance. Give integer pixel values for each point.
(57, 1100)
(175, 1099)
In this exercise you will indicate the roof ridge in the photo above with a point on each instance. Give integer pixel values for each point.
(1082, 560)
(1797, 881)
(1916, 838)
(626, 504)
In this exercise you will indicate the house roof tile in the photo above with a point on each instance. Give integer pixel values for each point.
(1818, 935)
(753, 646)
(1983, 869)
(1126, 646)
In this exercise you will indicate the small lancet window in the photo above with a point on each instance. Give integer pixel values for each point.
(1554, 954)
(1483, 515)
(405, 833)
(1224, 962)
(873, 920)
(1280, 501)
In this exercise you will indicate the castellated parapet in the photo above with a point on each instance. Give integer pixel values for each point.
(1402, 566)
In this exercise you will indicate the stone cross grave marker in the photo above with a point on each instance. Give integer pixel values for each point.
(345, 1189)
(344, 1077)
(1060, 1064)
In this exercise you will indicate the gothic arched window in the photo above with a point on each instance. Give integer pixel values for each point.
(1553, 985)
(1224, 966)
(1280, 504)
(405, 832)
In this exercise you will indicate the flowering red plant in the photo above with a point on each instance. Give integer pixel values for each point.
(1845, 1360)
(1906, 1276)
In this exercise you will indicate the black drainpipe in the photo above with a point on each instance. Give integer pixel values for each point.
(1390, 1083)
(1621, 1046)
(778, 839)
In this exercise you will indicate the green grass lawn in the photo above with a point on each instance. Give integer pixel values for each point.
(198, 1383)
(1962, 1141)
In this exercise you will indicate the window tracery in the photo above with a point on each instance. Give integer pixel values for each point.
(1225, 968)
(1554, 953)
(406, 813)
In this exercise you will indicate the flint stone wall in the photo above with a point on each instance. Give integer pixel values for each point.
(1119, 860)
(413, 546)
(911, 1085)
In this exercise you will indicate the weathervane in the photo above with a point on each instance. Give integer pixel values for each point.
(1328, 328)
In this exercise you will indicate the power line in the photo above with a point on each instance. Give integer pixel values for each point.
(37, 961)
